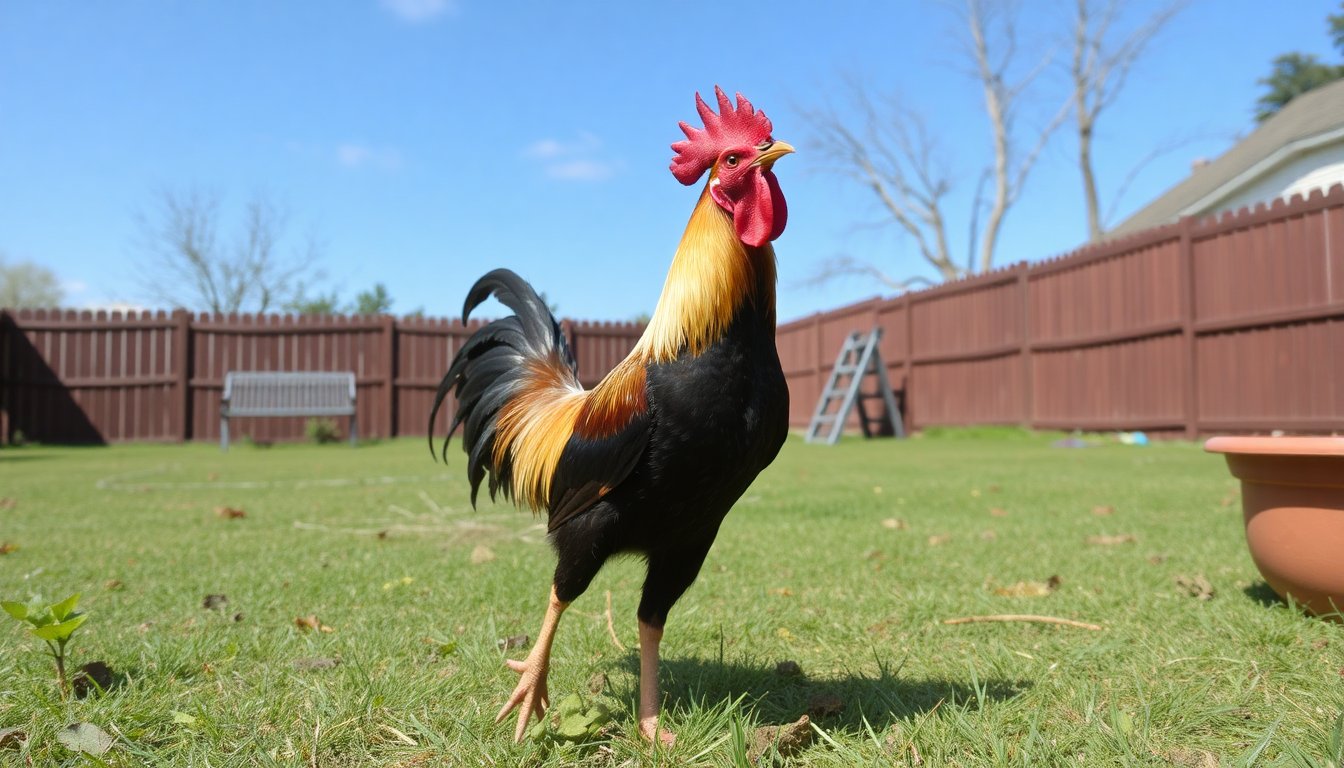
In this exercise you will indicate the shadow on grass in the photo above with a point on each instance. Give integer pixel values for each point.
(778, 698)
(9, 456)
(1263, 594)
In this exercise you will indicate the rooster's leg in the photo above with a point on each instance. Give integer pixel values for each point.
(530, 697)
(650, 700)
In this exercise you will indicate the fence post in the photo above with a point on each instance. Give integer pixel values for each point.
(1028, 380)
(6, 373)
(182, 362)
(909, 362)
(1187, 266)
(819, 358)
(390, 374)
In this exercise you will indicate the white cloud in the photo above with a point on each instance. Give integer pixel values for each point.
(353, 155)
(419, 11)
(581, 170)
(576, 160)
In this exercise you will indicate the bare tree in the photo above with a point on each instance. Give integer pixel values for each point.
(890, 150)
(1004, 99)
(1099, 68)
(186, 264)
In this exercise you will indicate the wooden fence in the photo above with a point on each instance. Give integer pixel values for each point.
(1231, 324)
(1222, 325)
(69, 376)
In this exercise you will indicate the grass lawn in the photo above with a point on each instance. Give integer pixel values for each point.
(843, 560)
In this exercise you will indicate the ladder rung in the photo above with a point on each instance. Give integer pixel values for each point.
(825, 418)
(846, 369)
(834, 393)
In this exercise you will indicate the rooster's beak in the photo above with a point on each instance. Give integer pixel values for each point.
(776, 151)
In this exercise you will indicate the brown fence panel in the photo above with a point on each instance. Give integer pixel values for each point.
(1127, 385)
(963, 392)
(86, 377)
(425, 347)
(286, 343)
(802, 359)
(1268, 261)
(1288, 377)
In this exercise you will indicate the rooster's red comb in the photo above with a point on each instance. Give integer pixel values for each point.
(740, 126)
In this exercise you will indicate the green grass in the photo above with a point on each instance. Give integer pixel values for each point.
(804, 570)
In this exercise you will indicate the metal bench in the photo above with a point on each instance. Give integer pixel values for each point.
(275, 393)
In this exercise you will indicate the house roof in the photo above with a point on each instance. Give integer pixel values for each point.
(1313, 118)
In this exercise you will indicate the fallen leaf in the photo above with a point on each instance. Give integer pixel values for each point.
(212, 477)
(975, 493)
(382, 535)
(877, 489)
(1317, 645)
(321, 662)
(112, 584)
(7, 547)
(787, 740)
(941, 538)
(1103, 511)
(895, 524)
(237, 617)
(988, 535)
(143, 627)
(214, 602)
(515, 641)
(597, 683)
(13, 738)
(824, 705)
(788, 669)
(1195, 586)
(783, 633)
(86, 738)
(782, 592)
(8, 503)
(1157, 559)
(230, 513)
(182, 718)
(873, 554)
(998, 512)
(94, 677)
(402, 582)
(1029, 588)
(1107, 540)
(310, 622)
(1229, 499)
(995, 488)
(481, 554)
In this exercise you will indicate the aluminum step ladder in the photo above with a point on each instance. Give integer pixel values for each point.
(859, 358)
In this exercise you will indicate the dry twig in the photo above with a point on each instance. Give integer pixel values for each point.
(1025, 617)
(611, 626)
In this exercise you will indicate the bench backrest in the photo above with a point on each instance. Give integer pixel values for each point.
(303, 393)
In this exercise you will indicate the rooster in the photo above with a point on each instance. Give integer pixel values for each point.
(650, 460)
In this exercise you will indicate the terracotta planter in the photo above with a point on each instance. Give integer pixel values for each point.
(1292, 498)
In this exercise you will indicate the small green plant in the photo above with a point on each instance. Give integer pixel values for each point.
(572, 720)
(321, 431)
(54, 624)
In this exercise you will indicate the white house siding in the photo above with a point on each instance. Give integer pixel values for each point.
(1318, 168)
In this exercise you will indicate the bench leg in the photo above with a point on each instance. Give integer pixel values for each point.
(224, 434)
(354, 436)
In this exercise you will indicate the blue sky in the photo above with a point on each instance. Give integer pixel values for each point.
(424, 142)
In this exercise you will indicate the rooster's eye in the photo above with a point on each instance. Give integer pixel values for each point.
(731, 160)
